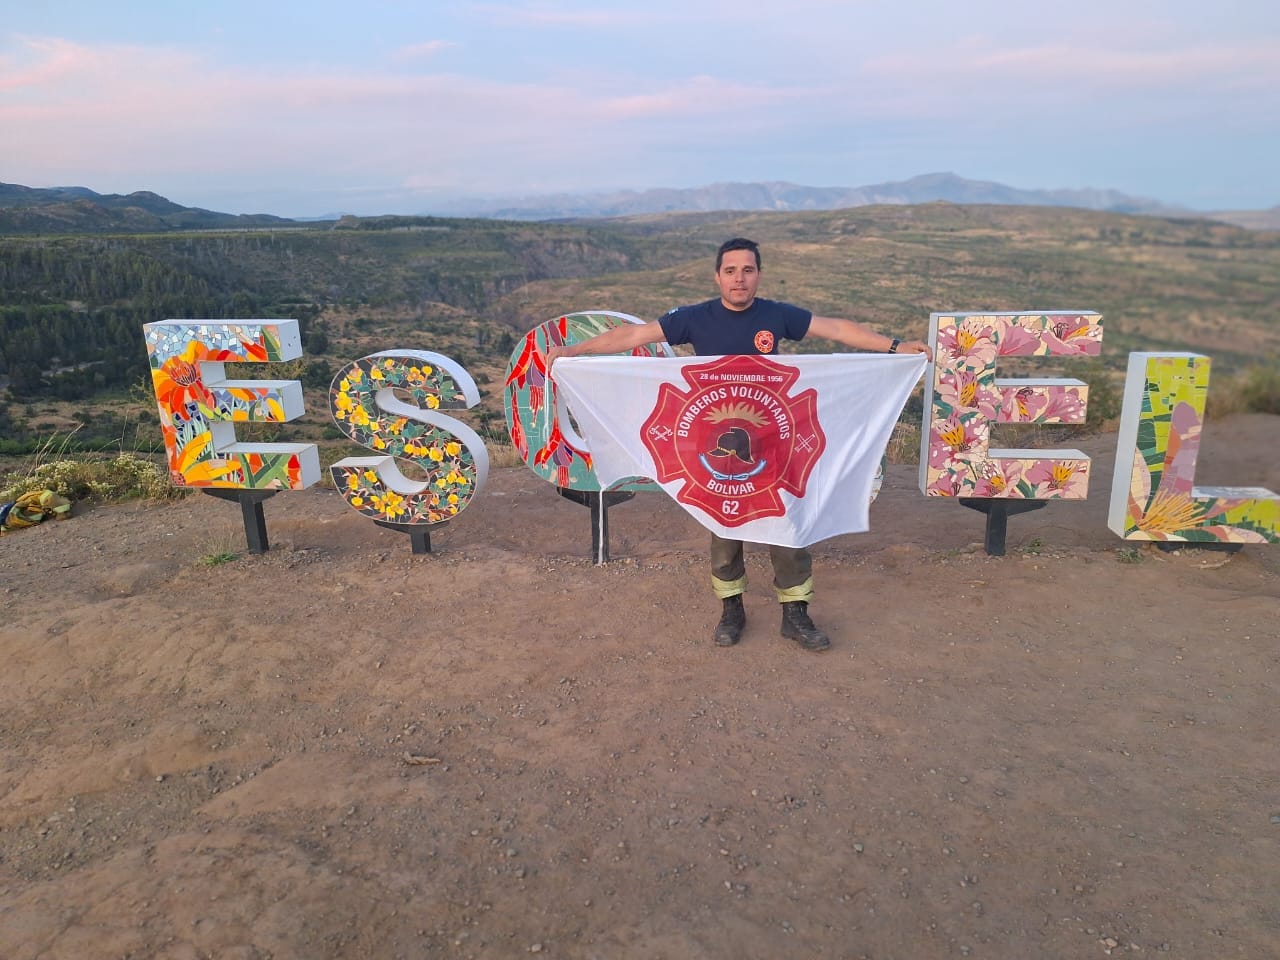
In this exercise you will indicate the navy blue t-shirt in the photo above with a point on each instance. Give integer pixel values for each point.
(713, 329)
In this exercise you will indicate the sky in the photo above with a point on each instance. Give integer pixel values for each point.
(391, 106)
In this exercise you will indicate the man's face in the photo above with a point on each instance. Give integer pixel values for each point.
(738, 278)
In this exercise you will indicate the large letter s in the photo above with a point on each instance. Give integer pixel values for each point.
(387, 402)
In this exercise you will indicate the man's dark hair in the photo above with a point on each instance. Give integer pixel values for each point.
(737, 243)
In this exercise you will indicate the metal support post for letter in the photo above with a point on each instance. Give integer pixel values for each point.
(599, 504)
(255, 524)
(998, 513)
(419, 534)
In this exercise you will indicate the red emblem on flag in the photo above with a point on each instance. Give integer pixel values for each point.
(736, 437)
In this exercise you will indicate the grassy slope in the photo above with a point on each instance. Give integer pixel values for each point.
(455, 286)
(1161, 284)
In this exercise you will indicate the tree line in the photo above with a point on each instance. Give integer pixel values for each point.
(72, 312)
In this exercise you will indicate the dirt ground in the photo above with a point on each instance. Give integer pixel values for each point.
(339, 749)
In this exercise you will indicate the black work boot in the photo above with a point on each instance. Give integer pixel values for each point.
(797, 626)
(732, 620)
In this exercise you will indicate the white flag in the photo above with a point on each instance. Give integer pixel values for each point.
(769, 449)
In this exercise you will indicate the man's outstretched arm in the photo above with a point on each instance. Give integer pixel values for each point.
(859, 337)
(621, 339)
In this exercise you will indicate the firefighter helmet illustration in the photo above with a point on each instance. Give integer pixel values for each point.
(731, 457)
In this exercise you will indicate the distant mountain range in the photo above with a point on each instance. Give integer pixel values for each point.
(28, 210)
(928, 188)
(62, 210)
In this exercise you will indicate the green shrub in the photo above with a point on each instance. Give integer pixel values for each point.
(125, 477)
(1256, 389)
(1106, 394)
(1260, 389)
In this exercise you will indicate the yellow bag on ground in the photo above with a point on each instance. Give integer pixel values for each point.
(32, 508)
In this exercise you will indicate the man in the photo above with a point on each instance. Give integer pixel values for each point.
(738, 322)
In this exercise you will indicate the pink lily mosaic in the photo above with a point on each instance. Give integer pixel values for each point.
(963, 398)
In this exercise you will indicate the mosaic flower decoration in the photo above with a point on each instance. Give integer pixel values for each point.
(1155, 498)
(198, 405)
(552, 452)
(964, 397)
(389, 402)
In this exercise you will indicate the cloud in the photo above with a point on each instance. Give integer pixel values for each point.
(423, 51)
(152, 112)
(122, 117)
(44, 66)
(555, 15)
(1034, 76)
(697, 97)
